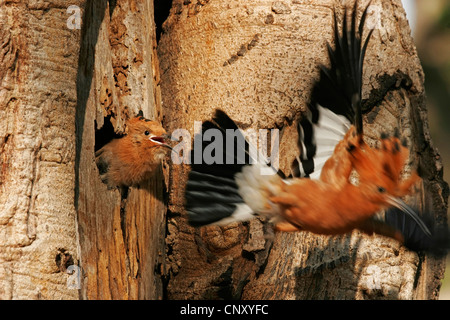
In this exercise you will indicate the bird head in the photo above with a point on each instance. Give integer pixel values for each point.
(381, 167)
(379, 171)
(147, 133)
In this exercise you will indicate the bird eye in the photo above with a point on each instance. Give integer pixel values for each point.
(146, 132)
(381, 190)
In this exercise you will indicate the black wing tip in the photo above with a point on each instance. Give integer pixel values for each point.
(219, 113)
(223, 120)
(203, 214)
(415, 237)
(339, 86)
(228, 155)
(197, 220)
(198, 224)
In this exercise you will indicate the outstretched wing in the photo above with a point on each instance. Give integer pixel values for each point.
(212, 193)
(335, 102)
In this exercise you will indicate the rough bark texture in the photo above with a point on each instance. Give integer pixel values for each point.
(257, 60)
(38, 67)
(121, 238)
(63, 92)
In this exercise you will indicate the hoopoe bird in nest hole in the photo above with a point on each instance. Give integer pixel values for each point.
(129, 160)
(320, 197)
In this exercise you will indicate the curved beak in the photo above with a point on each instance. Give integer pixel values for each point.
(161, 140)
(398, 203)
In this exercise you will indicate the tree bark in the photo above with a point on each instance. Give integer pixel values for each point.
(38, 239)
(121, 236)
(257, 61)
(63, 92)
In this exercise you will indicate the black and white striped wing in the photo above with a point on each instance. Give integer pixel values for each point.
(335, 102)
(317, 141)
(212, 194)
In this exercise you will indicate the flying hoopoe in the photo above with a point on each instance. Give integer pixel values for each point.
(321, 197)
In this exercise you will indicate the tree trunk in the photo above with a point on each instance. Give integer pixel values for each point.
(63, 92)
(121, 236)
(38, 240)
(257, 61)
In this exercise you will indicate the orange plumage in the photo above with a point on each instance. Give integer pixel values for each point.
(133, 158)
(322, 195)
(335, 205)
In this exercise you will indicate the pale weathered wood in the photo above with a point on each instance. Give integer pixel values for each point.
(257, 60)
(121, 238)
(38, 68)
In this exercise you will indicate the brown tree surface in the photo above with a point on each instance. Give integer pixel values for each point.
(257, 61)
(121, 236)
(63, 235)
(65, 91)
(38, 67)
